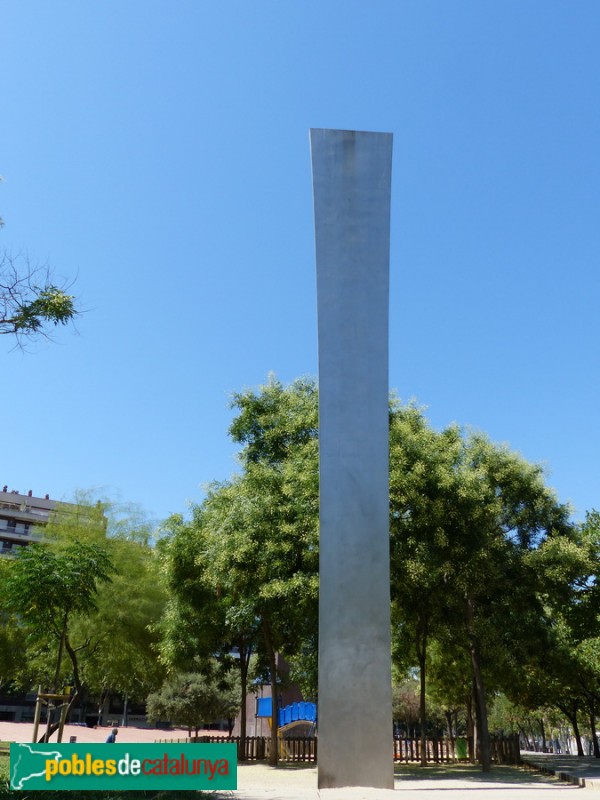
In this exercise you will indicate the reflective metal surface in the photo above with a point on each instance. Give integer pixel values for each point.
(351, 186)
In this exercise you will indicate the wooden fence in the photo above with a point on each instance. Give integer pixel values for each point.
(438, 751)
(258, 748)
(505, 750)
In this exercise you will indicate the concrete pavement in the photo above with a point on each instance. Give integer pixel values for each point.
(260, 782)
(584, 772)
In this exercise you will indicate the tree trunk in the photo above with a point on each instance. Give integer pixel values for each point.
(595, 743)
(543, 730)
(471, 729)
(480, 699)
(245, 652)
(534, 738)
(449, 725)
(570, 713)
(525, 736)
(476, 742)
(61, 645)
(422, 655)
(577, 736)
(75, 665)
(271, 656)
(78, 688)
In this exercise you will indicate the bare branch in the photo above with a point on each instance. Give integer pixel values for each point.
(31, 300)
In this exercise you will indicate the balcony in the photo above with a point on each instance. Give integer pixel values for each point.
(18, 532)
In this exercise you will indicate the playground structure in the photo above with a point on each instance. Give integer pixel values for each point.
(290, 717)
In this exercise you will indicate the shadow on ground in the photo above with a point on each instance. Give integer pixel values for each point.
(467, 772)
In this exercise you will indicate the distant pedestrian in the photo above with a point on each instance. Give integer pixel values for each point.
(112, 736)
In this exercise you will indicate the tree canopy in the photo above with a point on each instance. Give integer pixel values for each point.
(48, 589)
(85, 604)
(466, 515)
(482, 556)
(251, 549)
(193, 700)
(495, 598)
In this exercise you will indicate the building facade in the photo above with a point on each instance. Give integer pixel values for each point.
(22, 519)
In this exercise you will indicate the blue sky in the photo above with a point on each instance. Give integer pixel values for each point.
(158, 152)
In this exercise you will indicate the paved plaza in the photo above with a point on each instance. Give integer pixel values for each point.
(260, 782)
(23, 732)
(459, 782)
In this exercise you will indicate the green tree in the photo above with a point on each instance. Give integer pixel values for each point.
(566, 673)
(583, 615)
(47, 590)
(469, 518)
(277, 427)
(263, 563)
(118, 645)
(122, 656)
(12, 635)
(31, 301)
(502, 513)
(421, 470)
(200, 620)
(249, 557)
(406, 705)
(192, 701)
(465, 514)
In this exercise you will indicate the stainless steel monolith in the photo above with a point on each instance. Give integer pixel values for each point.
(351, 186)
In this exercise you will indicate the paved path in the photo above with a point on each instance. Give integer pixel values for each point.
(260, 782)
(23, 732)
(581, 771)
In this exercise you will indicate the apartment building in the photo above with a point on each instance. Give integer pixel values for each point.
(22, 519)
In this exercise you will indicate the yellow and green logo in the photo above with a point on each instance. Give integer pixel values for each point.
(123, 766)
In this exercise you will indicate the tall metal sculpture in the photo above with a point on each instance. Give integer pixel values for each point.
(351, 187)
